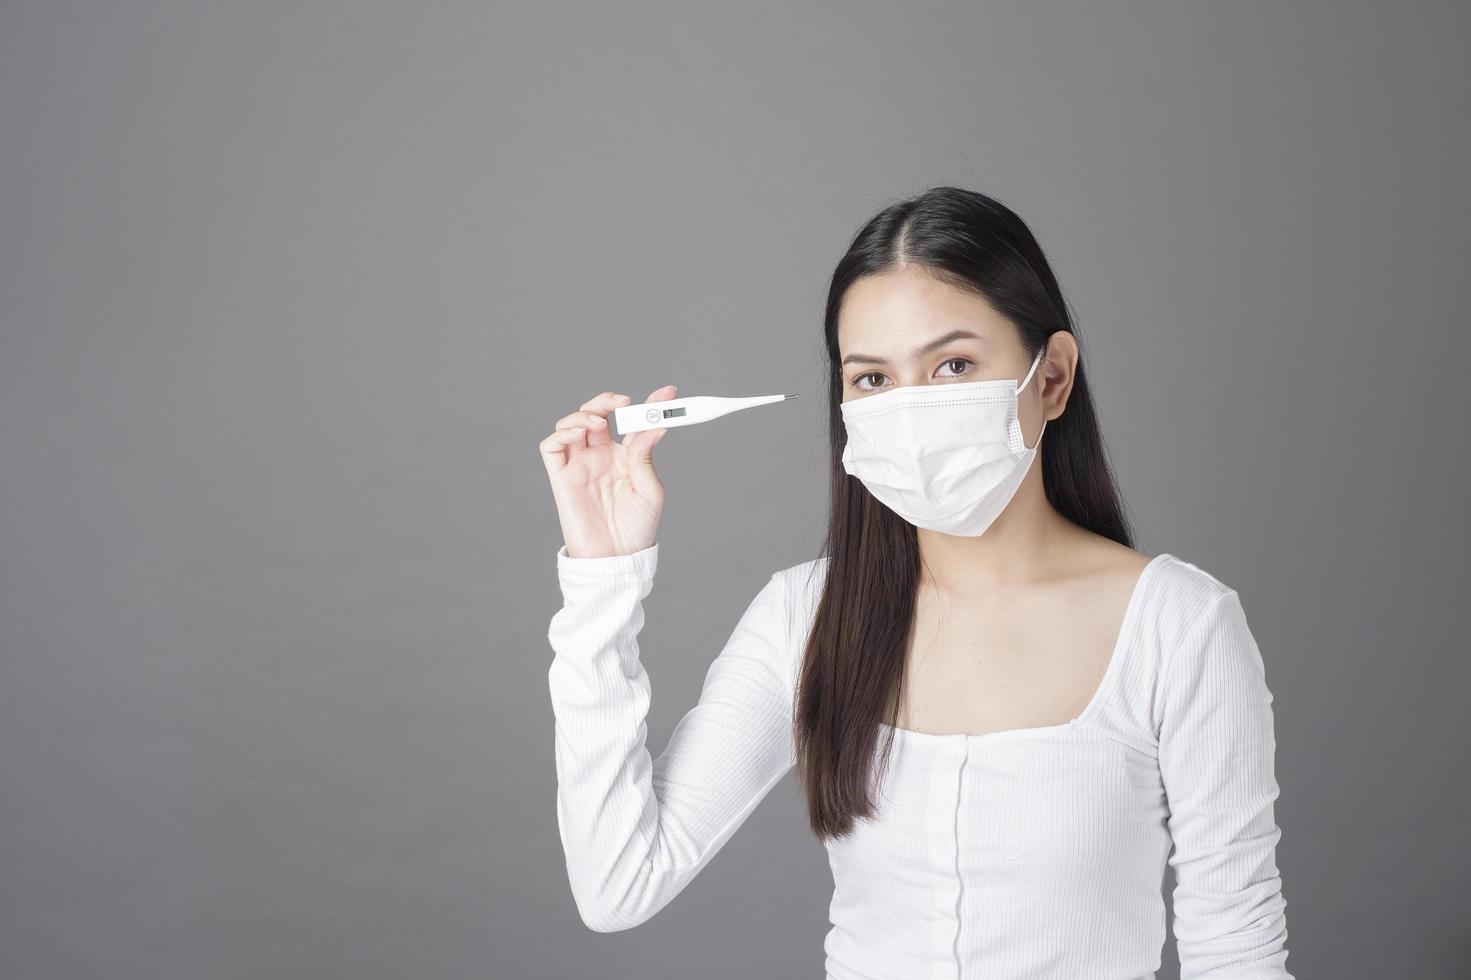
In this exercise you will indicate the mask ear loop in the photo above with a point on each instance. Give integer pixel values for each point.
(1023, 387)
(1031, 371)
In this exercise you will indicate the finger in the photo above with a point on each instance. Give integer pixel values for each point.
(600, 406)
(640, 459)
(597, 425)
(605, 402)
(554, 447)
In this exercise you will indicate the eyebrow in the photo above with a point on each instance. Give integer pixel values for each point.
(922, 349)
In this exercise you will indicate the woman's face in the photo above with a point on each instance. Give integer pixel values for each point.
(907, 328)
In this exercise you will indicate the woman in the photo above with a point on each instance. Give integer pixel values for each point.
(1005, 719)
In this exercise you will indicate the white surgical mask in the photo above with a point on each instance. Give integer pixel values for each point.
(948, 457)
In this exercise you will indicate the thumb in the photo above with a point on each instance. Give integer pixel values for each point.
(641, 461)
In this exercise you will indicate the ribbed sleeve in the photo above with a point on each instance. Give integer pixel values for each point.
(636, 830)
(1216, 759)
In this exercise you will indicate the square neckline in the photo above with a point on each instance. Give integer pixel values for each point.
(1126, 629)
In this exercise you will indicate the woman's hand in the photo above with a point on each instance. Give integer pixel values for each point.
(608, 496)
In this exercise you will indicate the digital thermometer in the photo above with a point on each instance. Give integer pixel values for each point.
(685, 411)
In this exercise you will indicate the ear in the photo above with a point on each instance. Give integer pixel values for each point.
(1058, 369)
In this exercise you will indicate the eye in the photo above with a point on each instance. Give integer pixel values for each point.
(957, 360)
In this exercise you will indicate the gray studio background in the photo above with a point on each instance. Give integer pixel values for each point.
(290, 292)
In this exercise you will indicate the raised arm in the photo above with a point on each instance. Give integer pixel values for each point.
(1217, 751)
(636, 830)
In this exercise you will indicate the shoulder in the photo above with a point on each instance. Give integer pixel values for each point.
(1206, 649)
(799, 588)
(804, 578)
(1183, 609)
(1179, 594)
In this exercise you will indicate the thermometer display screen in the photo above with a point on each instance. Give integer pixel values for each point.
(670, 413)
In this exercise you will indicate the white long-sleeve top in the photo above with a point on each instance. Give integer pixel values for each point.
(1021, 854)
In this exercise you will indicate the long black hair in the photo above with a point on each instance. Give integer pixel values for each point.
(853, 662)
